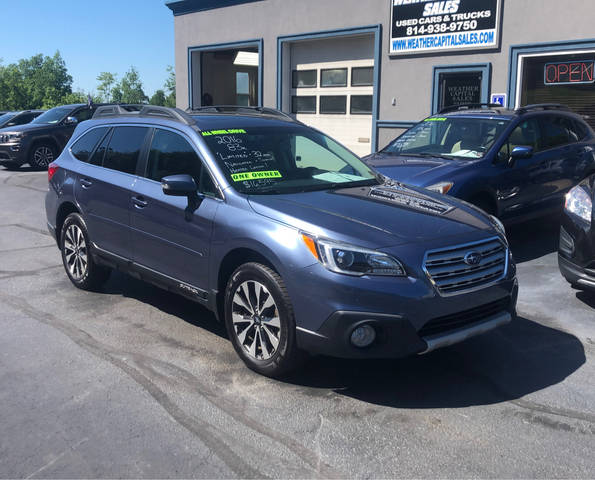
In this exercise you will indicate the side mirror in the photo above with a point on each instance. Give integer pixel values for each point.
(70, 121)
(183, 186)
(179, 185)
(519, 153)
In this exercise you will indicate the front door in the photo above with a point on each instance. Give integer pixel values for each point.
(523, 186)
(164, 238)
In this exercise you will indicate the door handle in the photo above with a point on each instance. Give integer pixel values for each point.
(139, 202)
(86, 183)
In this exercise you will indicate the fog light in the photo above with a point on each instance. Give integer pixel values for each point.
(363, 336)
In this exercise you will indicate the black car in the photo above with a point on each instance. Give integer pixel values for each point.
(576, 253)
(513, 164)
(12, 119)
(39, 142)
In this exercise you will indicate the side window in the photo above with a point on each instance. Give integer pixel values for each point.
(171, 154)
(524, 135)
(82, 115)
(124, 149)
(554, 132)
(84, 146)
(99, 154)
(22, 119)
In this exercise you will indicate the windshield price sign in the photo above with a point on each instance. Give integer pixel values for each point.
(421, 26)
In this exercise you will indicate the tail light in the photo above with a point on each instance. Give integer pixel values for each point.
(52, 169)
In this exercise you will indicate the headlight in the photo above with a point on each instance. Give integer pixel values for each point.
(10, 137)
(442, 187)
(579, 203)
(352, 260)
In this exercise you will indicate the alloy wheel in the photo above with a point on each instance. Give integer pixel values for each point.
(256, 320)
(43, 156)
(75, 252)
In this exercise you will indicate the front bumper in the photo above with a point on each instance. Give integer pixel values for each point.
(408, 314)
(576, 252)
(12, 153)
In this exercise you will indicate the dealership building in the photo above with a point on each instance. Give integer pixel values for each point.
(365, 70)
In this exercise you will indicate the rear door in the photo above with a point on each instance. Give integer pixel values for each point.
(105, 184)
(165, 237)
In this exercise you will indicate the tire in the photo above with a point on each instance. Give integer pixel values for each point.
(82, 271)
(263, 335)
(42, 154)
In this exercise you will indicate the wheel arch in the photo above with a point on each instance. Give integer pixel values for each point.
(229, 263)
(41, 140)
(65, 209)
(485, 197)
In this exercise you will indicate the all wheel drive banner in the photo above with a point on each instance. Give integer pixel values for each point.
(421, 26)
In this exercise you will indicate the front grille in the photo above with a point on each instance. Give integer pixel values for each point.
(4, 138)
(462, 319)
(464, 267)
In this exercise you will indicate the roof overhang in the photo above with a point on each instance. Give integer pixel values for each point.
(183, 7)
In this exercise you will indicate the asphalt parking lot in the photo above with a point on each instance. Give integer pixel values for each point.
(138, 382)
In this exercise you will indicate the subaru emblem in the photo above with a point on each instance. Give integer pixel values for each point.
(473, 258)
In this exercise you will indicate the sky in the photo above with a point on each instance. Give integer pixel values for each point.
(93, 36)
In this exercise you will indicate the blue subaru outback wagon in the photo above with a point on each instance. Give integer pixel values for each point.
(514, 164)
(286, 235)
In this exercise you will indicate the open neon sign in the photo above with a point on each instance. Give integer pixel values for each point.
(566, 73)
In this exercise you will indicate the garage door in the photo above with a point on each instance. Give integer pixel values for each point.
(332, 88)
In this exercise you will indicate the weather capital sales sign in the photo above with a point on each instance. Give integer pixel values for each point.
(421, 26)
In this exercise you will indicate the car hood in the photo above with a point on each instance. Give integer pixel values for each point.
(417, 171)
(28, 127)
(379, 216)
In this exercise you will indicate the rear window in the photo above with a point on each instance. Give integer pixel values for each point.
(84, 146)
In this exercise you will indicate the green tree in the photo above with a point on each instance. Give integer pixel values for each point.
(131, 88)
(158, 98)
(107, 82)
(36, 82)
(170, 87)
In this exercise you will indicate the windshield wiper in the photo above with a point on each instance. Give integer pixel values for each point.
(428, 155)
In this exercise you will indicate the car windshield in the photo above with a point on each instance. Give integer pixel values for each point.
(273, 160)
(4, 119)
(456, 137)
(53, 116)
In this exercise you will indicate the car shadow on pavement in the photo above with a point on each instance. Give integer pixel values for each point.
(518, 359)
(534, 239)
(168, 302)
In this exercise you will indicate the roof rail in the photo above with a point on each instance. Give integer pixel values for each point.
(541, 106)
(469, 106)
(239, 109)
(115, 110)
(144, 111)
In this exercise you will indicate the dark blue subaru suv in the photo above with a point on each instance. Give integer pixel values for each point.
(283, 233)
(512, 164)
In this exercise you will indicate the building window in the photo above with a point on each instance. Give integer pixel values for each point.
(229, 77)
(303, 104)
(362, 76)
(304, 79)
(361, 105)
(568, 79)
(333, 77)
(459, 88)
(333, 104)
